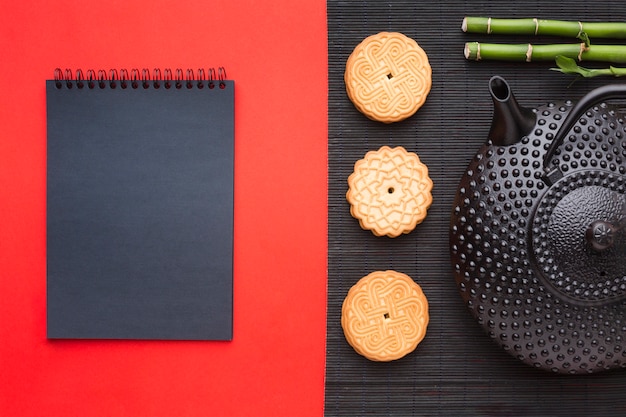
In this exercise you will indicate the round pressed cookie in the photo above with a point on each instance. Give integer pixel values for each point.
(389, 191)
(385, 316)
(388, 77)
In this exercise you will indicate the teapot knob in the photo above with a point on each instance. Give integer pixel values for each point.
(600, 235)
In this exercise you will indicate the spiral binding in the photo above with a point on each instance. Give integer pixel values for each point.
(143, 79)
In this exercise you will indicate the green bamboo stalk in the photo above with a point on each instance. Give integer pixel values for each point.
(534, 26)
(530, 53)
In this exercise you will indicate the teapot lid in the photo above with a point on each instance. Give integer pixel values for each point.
(577, 238)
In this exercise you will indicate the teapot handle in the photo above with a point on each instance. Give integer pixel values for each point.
(551, 174)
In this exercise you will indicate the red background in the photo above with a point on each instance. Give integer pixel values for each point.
(276, 52)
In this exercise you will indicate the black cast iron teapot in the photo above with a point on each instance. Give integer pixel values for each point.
(538, 231)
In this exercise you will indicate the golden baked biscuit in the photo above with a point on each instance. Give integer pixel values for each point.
(389, 191)
(384, 316)
(388, 77)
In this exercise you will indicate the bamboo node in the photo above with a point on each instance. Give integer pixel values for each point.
(489, 26)
(536, 25)
(583, 48)
(529, 53)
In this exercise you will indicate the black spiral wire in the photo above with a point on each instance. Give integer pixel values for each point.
(141, 79)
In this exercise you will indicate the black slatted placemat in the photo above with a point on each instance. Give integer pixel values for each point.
(456, 370)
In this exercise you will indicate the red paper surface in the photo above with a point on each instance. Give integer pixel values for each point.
(276, 52)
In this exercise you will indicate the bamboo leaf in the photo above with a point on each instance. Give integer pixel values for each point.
(618, 72)
(585, 38)
(567, 65)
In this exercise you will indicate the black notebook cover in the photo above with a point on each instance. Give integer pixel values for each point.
(140, 209)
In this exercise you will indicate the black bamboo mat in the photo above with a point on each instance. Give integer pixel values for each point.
(457, 370)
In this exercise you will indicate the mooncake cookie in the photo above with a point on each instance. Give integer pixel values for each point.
(388, 77)
(389, 191)
(385, 315)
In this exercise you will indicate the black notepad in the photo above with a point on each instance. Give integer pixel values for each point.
(140, 171)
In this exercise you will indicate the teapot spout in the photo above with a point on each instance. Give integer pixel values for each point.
(510, 121)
